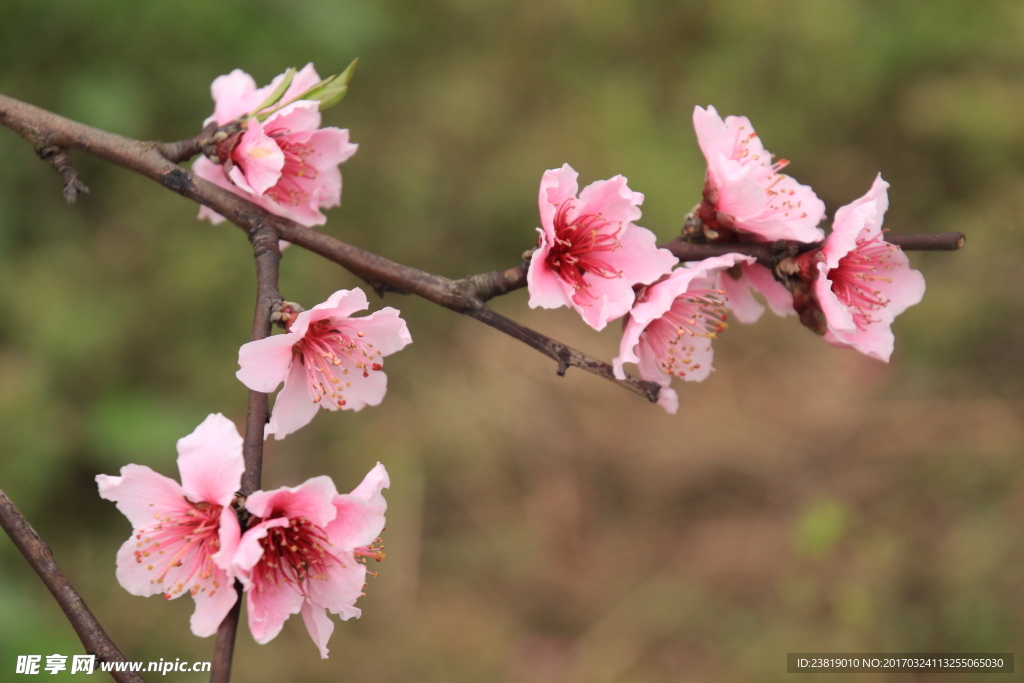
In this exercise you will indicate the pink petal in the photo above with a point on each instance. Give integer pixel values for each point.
(269, 609)
(739, 193)
(259, 157)
(249, 550)
(303, 115)
(627, 346)
(210, 461)
(669, 400)
(545, 286)
(877, 341)
(340, 589)
(713, 135)
(264, 364)
(612, 200)
(837, 315)
(384, 329)
(371, 487)
(640, 259)
(134, 576)
(319, 625)
(141, 494)
(206, 213)
(213, 604)
(557, 186)
(313, 499)
(294, 407)
(229, 534)
(740, 298)
(779, 299)
(234, 95)
(338, 306)
(907, 286)
(332, 146)
(863, 214)
(358, 523)
(365, 391)
(305, 79)
(326, 193)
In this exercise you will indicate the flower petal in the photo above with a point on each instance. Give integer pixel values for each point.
(264, 364)
(210, 461)
(319, 625)
(141, 494)
(213, 603)
(313, 499)
(270, 608)
(294, 407)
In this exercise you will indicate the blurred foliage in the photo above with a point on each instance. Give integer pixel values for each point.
(541, 529)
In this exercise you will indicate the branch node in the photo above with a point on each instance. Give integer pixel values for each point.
(57, 158)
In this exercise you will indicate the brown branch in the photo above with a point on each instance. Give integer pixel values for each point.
(264, 240)
(147, 158)
(57, 158)
(40, 557)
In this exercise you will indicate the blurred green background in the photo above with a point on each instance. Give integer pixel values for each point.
(806, 498)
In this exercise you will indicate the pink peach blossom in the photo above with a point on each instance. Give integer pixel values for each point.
(305, 552)
(287, 164)
(183, 535)
(745, 187)
(861, 281)
(740, 288)
(745, 192)
(669, 330)
(326, 359)
(589, 253)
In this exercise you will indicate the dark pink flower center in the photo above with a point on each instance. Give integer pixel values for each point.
(852, 279)
(184, 538)
(328, 354)
(292, 554)
(299, 552)
(288, 190)
(580, 247)
(697, 313)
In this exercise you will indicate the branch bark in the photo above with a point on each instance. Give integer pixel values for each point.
(43, 128)
(40, 557)
(264, 241)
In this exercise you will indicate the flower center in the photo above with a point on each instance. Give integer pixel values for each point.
(328, 354)
(287, 190)
(852, 280)
(182, 541)
(697, 313)
(579, 248)
(292, 554)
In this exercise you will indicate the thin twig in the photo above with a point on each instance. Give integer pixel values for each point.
(268, 257)
(146, 158)
(57, 158)
(40, 557)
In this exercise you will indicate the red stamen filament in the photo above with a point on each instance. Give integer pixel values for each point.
(578, 247)
(852, 278)
(186, 538)
(697, 313)
(287, 190)
(292, 554)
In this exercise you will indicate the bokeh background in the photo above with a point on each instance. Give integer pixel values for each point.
(806, 498)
